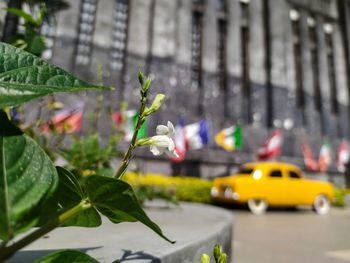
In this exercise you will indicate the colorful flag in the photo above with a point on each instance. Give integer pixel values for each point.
(197, 134)
(230, 138)
(309, 161)
(342, 156)
(127, 121)
(66, 120)
(14, 114)
(118, 119)
(180, 141)
(325, 158)
(272, 147)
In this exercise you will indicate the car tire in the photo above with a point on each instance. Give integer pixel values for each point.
(321, 205)
(257, 206)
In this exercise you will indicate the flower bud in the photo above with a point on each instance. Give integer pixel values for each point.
(217, 252)
(222, 258)
(205, 258)
(55, 105)
(140, 75)
(157, 102)
(147, 84)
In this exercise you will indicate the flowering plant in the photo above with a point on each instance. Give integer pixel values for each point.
(33, 192)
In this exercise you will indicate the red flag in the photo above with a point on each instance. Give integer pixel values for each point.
(309, 161)
(118, 119)
(66, 120)
(342, 156)
(180, 141)
(272, 147)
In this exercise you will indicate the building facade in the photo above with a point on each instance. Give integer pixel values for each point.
(264, 64)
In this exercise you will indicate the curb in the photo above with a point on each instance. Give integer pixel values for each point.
(195, 227)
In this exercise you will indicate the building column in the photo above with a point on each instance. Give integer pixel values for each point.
(233, 61)
(138, 47)
(213, 98)
(257, 102)
(162, 62)
(163, 49)
(3, 4)
(311, 124)
(341, 84)
(181, 82)
(102, 40)
(327, 118)
(66, 36)
(282, 79)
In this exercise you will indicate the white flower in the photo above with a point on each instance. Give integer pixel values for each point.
(168, 130)
(163, 142)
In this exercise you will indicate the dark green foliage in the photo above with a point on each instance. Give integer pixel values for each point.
(27, 175)
(116, 200)
(148, 192)
(67, 256)
(86, 154)
(67, 195)
(25, 77)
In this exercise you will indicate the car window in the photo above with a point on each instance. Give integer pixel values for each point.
(294, 175)
(243, 170)
(275, 173)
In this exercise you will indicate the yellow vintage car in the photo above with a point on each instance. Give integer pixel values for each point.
(263, 184)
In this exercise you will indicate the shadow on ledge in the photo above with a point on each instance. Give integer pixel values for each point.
(30, 256)
(129, 255)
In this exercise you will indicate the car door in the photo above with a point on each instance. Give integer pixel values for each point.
(296, 187)
(276, 187)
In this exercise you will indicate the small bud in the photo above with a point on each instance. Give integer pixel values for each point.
(222, 258)
(217, 252)
(157, 102)
(142, 99)
(55, 105)
(147, 84)
(205, 258)
(140, 75)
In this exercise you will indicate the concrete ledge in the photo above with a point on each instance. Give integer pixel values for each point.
(195, 227)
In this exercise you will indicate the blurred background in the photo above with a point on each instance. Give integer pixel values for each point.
(265, 67)
(244, 81)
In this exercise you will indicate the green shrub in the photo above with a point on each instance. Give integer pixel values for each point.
(182, 188)
(339, 196)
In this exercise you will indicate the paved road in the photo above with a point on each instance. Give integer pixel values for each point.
(298, 236)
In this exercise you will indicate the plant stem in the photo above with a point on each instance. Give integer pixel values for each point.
(120, 172)
(7, 252)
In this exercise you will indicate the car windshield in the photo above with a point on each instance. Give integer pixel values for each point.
(245, 170)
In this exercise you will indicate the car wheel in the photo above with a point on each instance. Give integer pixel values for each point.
(321, 205)
(257, 206)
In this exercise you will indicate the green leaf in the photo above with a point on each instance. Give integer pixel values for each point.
(25, 77)
(116, 200)
(67, 195)
(105, 172)
(27, 176)
(67, 256)
(35, 44)
(27, 17)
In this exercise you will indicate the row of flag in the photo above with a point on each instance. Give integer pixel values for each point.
(325, 157)
(196, 135)
(273, 148)
(231, 138)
